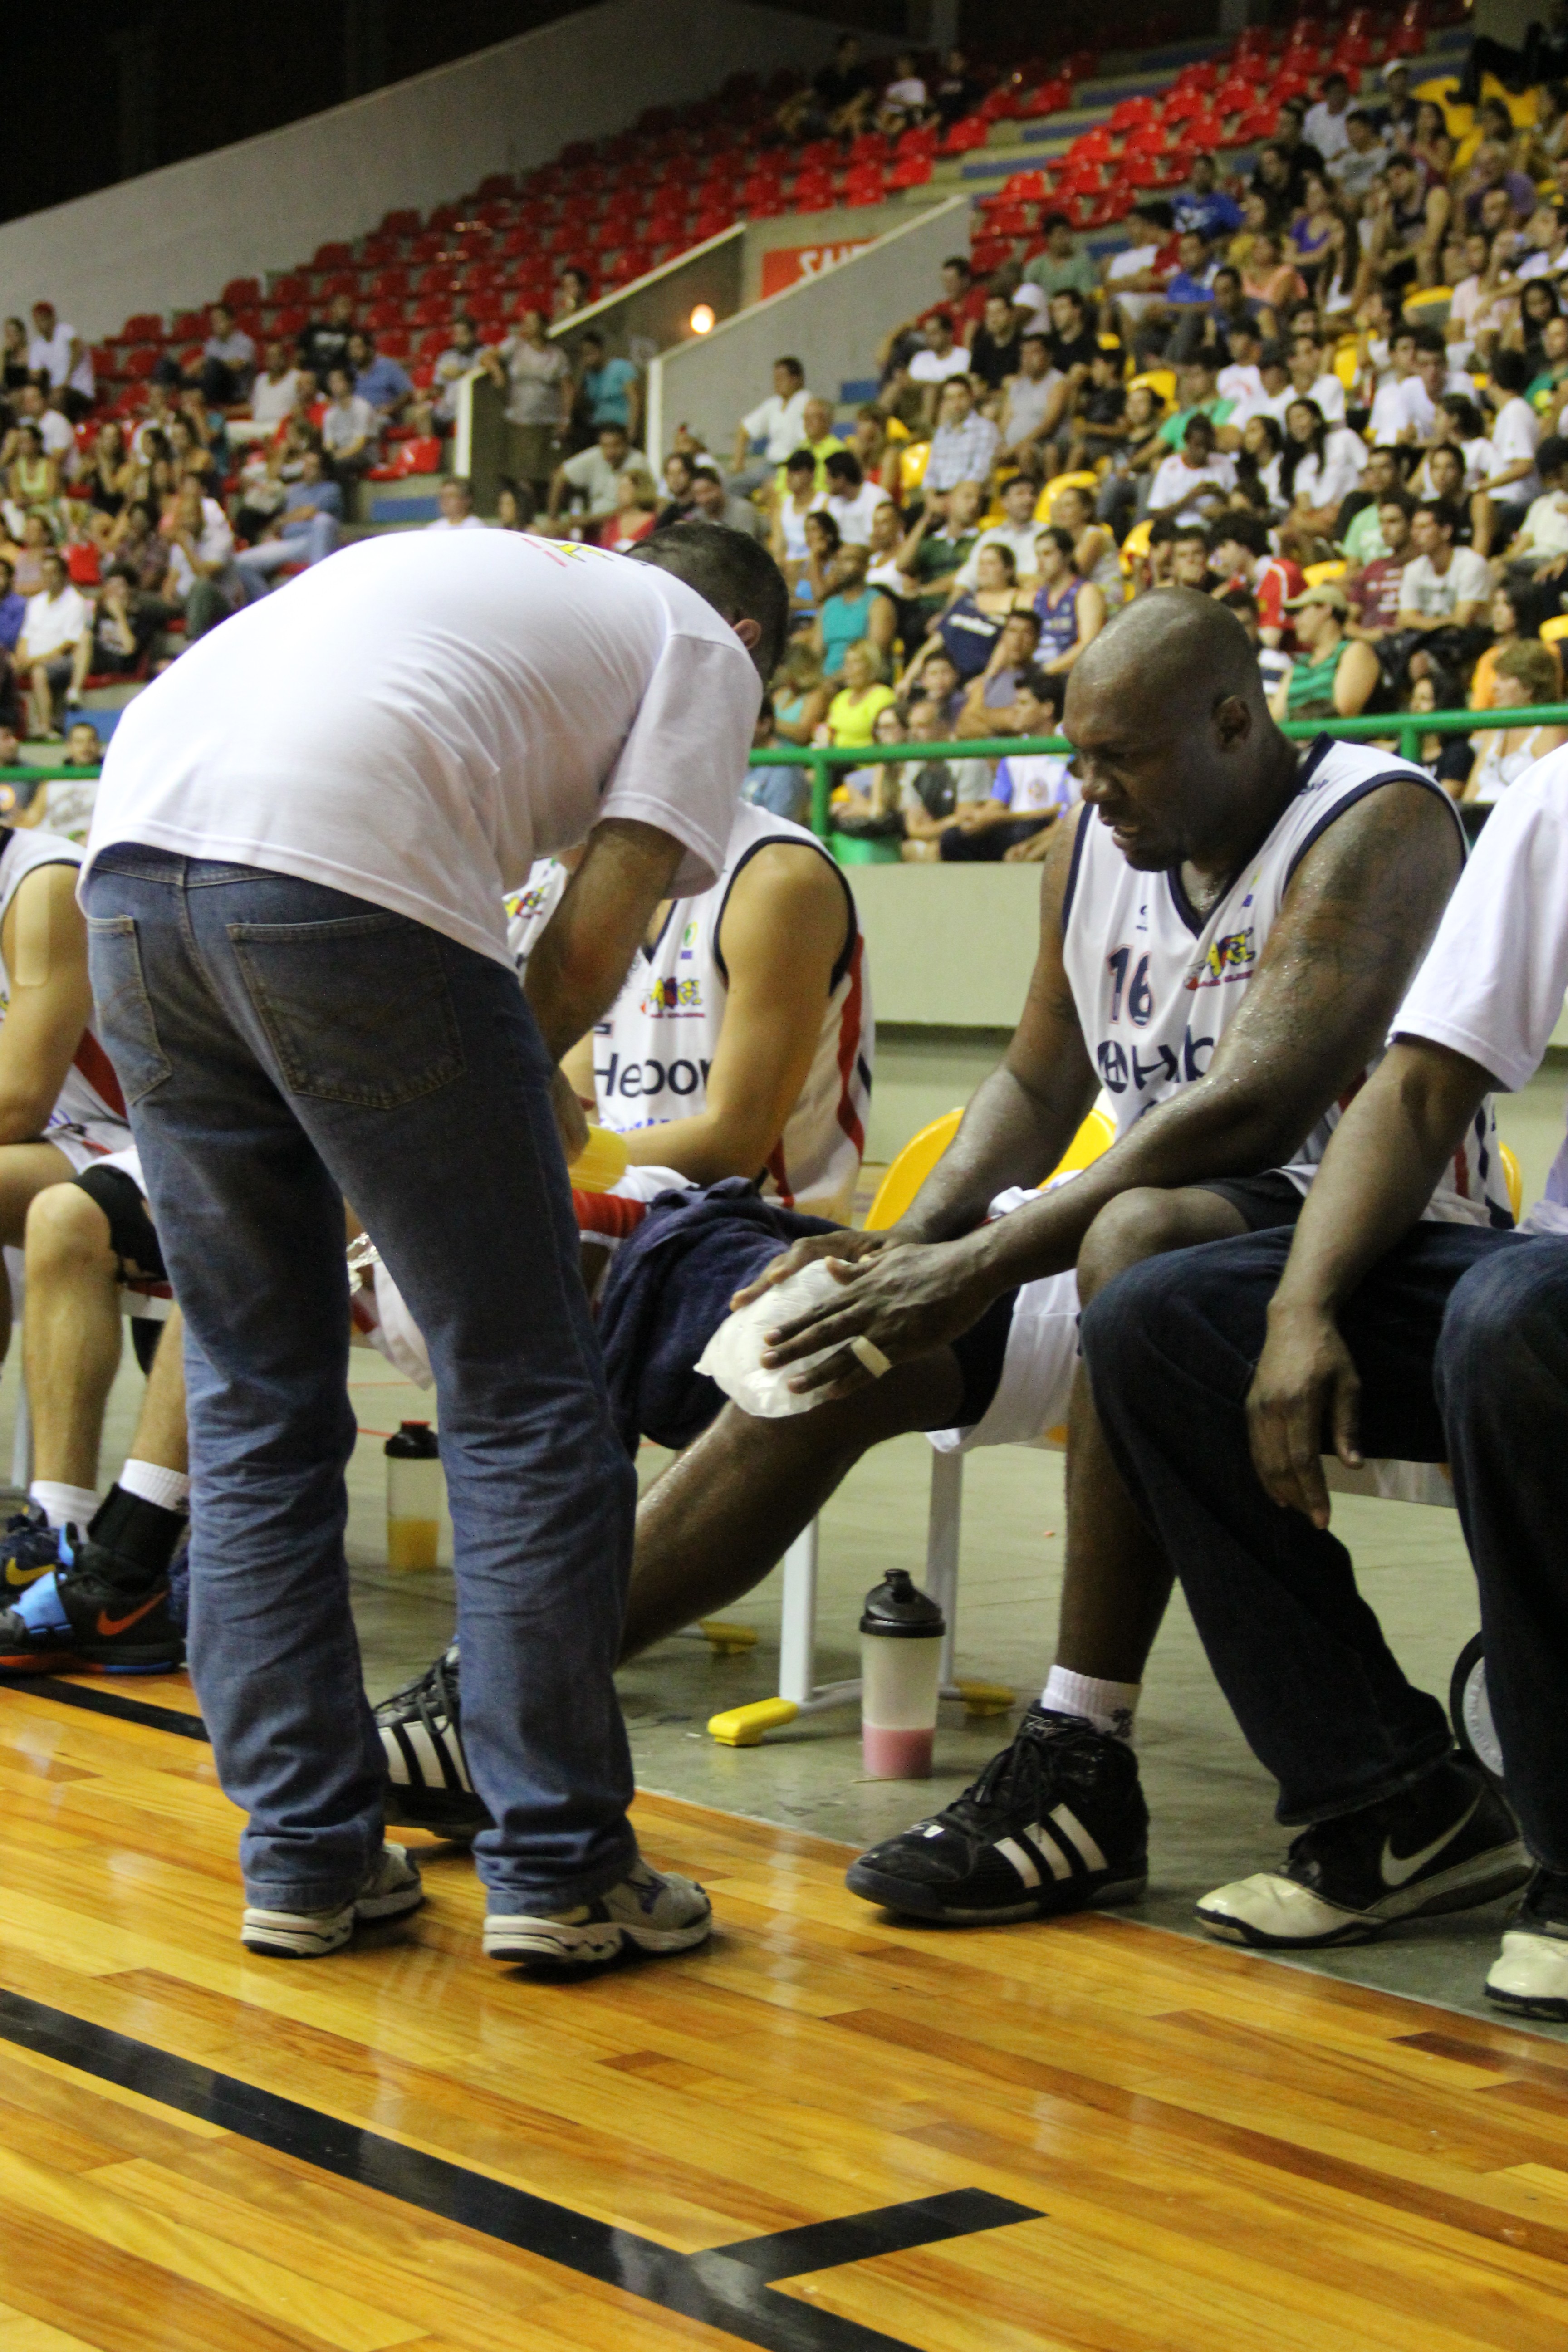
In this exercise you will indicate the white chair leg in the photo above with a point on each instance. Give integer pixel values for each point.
(943, 1532)
(797, 1627)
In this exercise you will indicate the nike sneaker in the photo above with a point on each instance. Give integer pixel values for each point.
(390, 1889)
(1056, 1823)
(428, 1780)
(94, 1610)
(1446, 1844)
(1530, 1975)
(648, 1911)
(29, 1550)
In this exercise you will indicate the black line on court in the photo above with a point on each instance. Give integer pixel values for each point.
(110, 1702)
(887, 2230)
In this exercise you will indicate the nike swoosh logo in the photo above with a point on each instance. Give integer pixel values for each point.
(1397, 1868)
(20, 1578)
(109, 1626)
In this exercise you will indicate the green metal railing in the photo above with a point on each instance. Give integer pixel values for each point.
(1404, 727)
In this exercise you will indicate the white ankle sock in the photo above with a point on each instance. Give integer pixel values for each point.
(1109, 1707)
(170, 1489)
(61, 1504)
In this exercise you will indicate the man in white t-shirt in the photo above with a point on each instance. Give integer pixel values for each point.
(57, 353)
(1017, 533)
(1310, 380)
(1446, 587)
(55, 650)
(1192, 479)
(778, 423)
(304, 835)
(1374, 1335)
(1540, 548)
(276, 389)
(939, 362)
(1327, 126)
(456, 499)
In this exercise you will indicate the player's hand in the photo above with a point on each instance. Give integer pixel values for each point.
(1306, 1387)
(570, 1121)
(846, 1245)
(905, 1301)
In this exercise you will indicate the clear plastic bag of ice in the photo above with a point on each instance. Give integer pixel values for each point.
(733, 1356)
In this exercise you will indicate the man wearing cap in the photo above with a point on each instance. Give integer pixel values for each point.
(1334, 675)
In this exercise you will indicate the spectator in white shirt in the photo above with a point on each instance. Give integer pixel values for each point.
(1539, 550)
(1406, 409)
(1322, 466)
(1513, 481)
(778, 423)
(1327, 127)
(1446, 588)
(456, 499)
(1310, 380)
(1241, 378)
(202, 576)
(1193, 479)
(1355, 169)
(850, 498)
(1018, 532)
(55, 647)
(1033, 402)
(32, 406)
(712, 502)
(941, 359)
(594, 476)
(351, 428)
(276, 389)
(58, 355)
(461, 357)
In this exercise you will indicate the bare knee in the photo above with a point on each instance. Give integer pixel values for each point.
(1141, 1224)
(68, 1235)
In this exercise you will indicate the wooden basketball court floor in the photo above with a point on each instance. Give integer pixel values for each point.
(825, 2133)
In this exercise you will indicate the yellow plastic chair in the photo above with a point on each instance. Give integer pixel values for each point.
(1513, 1179)
(1136, 543)
(914, 456)
(1162, 380)
(1316, 573)
(799, 1691)
(1346, 361)
(1555, 629)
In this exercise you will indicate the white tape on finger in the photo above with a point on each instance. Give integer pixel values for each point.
(866, 1352)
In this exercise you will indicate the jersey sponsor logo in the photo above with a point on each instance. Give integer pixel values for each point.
(683, 998)
(1233, 957)
(632, 1080)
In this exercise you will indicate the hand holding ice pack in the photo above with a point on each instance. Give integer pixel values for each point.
(733, 1356)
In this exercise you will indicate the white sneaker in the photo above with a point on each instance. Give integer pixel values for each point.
(1530, 1975)
(655, 1910)
(392, 1888)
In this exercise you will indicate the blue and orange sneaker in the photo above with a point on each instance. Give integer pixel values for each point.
(29, 1548)
(93, 1612)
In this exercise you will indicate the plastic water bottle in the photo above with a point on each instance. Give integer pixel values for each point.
(901, 1660)
(413, 1493)
(602, 1162)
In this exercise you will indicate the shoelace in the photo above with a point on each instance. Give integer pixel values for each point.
(1020, 1778)
(431, 1697)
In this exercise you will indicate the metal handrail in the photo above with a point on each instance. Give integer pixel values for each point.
(1407, 726)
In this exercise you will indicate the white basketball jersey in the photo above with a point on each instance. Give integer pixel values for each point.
(653, 1051)
(90, 1118)
(1157, 983)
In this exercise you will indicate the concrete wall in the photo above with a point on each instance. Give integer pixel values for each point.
(171, 238)
(843, 224)
(951, 947)
(652, 312)
(835, 320)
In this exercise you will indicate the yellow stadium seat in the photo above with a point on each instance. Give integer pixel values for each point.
(1556, 627)
(1426, 298)
(1316, 573)
(1162, 381)
(1136, 543)
(914, 456)
(1347, 357)
(921, 1152)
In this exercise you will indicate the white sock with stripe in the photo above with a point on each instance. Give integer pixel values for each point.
(1109, 1707)
(61, 1505)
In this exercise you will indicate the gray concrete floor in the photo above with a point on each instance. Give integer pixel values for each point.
(1212, 1804)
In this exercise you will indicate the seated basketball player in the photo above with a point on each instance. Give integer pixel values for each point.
(1226, 928)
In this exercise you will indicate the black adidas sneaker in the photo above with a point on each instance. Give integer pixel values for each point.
(427, 1783)
(1056, 1823)
(96, 1610)
(1447, 1844)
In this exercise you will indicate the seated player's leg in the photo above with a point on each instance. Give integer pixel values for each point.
(27, 1170)
(1502, 1384)
(101, 1597)
(1057, 1823)
(1393, 1825)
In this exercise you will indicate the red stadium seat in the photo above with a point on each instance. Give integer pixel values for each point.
(242, 293)
(400, 223)
(392, 340)
(187, 323)
(1128, 112)
(339, 281)
(381, 316)
(431, 310)
(390, 284)
(333, 257)
(910, 172)
(143, 327)
(291, 288)
(140, 362)
(288, 321)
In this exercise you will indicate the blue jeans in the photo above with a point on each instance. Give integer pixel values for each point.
(1460, 1335)
(284, 1047)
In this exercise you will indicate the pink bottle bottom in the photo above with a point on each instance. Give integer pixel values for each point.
(896, 1755)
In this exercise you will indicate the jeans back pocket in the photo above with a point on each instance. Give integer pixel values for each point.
(358, 1009)
(123, 1010)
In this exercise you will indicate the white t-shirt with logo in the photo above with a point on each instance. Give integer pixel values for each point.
(1515, 435)
(53, 622)
(1179, 486)
(1032, 783)
(415, 723)
(1493, 982)
(1467, 581)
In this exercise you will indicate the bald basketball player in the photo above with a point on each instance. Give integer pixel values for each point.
(1226, 928)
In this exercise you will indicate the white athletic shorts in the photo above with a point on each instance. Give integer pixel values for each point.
(96, 1144)
(1031, 1398)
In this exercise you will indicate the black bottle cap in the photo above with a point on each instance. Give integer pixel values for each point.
(898, 1607)
(416, 1441)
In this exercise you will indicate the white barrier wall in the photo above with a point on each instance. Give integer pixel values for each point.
(835, 323)
(172, 237)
